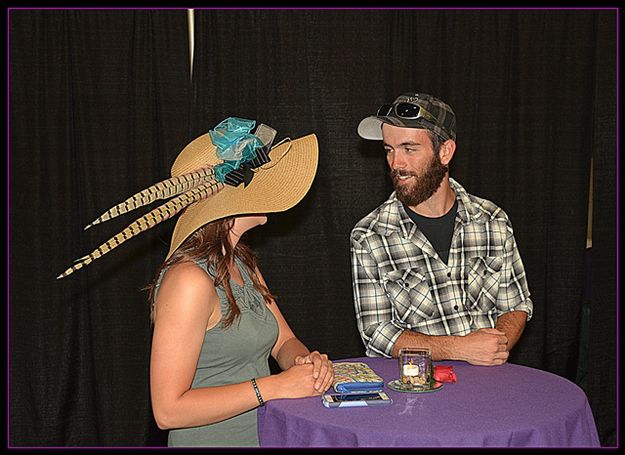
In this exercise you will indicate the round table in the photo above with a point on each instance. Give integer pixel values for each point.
(497, 406)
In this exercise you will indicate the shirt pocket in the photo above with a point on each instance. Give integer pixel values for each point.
(409, 292)
(483, 278)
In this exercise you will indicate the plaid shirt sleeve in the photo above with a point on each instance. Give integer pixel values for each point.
(374, 312)
(513, 292)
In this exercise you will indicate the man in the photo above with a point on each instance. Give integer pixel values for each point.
(434, 266)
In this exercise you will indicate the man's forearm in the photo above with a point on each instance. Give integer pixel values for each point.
(512, 324)
(482, 347)
(441, 347)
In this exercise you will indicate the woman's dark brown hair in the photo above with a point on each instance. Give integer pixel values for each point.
(211, 242)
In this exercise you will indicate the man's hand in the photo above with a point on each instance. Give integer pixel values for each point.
(484, 347)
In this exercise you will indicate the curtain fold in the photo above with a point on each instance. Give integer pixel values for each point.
(99, 109)
(602, 351)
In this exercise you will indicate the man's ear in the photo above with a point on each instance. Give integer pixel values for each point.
(447, 150)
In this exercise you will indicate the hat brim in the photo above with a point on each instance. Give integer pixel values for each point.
(371, 127)
(276, 186)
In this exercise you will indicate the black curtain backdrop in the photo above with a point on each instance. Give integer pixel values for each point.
(101, 103)
(99, 107)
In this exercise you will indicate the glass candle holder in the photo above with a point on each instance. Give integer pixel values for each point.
(415, 368)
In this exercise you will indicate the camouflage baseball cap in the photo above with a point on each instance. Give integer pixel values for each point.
(412, 110)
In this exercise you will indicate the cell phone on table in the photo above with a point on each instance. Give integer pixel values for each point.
(347, 400)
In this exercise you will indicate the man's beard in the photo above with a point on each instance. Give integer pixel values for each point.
(423, 186)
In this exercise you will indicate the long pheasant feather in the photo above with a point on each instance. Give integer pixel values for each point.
(147, 221)
(161, 190)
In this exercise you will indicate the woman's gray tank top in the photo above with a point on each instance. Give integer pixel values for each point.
(230, 356)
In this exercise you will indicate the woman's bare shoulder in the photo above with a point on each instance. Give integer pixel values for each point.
(186, 281)
(183, 307)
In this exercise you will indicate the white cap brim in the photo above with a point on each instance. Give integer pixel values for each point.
(370, 128)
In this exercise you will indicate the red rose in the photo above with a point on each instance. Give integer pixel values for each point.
(444, 373)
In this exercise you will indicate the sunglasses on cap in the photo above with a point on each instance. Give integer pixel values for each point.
(406, 110)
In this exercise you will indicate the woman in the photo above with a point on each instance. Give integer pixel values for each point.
(215, 324)
(215, 320)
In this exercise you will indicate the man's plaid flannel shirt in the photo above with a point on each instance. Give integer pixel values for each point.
(400, 283)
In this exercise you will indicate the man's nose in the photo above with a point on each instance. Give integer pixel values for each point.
(398, 161)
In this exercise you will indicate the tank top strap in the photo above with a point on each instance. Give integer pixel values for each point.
(246, 296)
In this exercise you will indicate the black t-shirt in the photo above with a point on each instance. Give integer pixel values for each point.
(437, 230)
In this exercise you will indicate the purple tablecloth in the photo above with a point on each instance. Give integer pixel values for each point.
(503, 406)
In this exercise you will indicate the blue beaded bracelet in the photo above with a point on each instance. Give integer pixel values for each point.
(261, 402)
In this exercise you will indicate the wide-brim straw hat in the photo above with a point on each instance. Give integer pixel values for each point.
(275, 186)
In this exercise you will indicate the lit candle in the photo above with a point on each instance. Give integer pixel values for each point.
(411, 370)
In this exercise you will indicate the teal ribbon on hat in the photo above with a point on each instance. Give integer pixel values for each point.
(235, 145)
